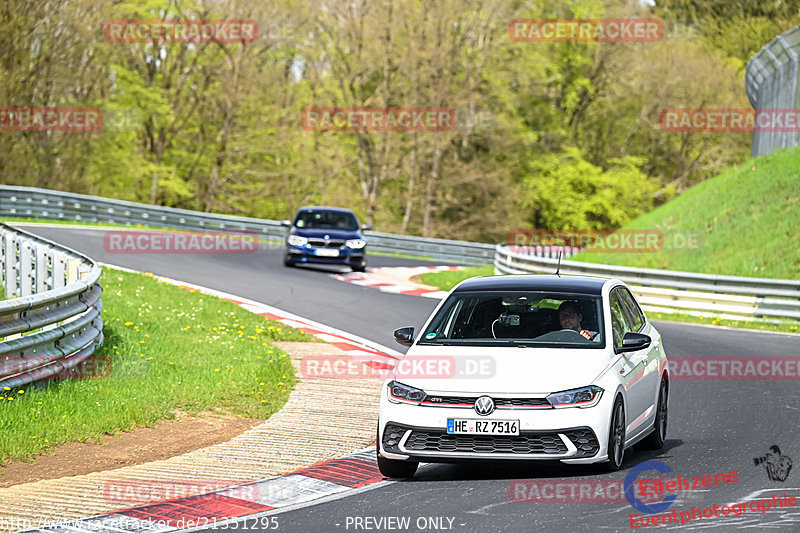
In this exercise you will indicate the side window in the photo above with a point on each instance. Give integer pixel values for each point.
(633, 311)
(619, 323)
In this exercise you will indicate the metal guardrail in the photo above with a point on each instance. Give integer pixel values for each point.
(663, 290)
(771, 83)
(731, 297)
(51, 320)
(57, 205)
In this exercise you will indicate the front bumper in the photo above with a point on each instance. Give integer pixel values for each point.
(419, 433)
(307, 254)
(435, 444)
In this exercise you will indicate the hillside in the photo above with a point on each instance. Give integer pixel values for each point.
(747, 218)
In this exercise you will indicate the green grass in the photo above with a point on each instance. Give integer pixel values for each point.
(171, 351)
(447, 279)
(11, 220)
(779, 327)
(748, 218)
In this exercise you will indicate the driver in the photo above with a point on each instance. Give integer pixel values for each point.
(570, 316)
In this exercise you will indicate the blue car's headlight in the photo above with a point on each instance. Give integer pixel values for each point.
(356, 243)
(296, 240)
(583, 397)
(403, 393)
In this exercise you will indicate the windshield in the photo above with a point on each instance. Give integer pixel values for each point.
(518, 318)
(326, 220)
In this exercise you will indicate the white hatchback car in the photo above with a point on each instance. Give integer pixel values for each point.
(526, 367)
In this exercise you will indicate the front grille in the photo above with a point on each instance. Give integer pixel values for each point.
(499, 402)
(322, 243)
(526, 443)
(451, 400)
(515, 402)
(585, 440)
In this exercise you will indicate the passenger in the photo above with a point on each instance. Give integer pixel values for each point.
(570, 316)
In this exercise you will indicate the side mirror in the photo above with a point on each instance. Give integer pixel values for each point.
(286, 223)
(632, 342)
(366, 227)
(404, 336)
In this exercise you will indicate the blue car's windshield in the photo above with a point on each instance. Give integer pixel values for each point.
(518, 318)
(326, 220)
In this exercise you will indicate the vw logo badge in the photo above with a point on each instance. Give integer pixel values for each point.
(484, 405)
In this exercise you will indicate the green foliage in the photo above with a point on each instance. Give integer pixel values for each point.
(564, 191)
(554, 134)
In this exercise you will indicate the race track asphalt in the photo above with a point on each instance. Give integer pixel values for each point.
(715, 426)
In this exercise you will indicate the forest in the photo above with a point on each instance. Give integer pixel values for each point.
(545, 134)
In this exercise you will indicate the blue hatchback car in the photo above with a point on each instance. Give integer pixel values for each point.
(329, 235)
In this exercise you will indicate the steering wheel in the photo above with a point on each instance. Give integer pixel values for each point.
(571, 331)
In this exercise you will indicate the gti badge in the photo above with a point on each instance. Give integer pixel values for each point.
(484, 405)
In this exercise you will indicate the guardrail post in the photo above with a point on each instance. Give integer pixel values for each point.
(10, 265)
(59, 271)
(41, 268)
(26, 270)
(72, 270)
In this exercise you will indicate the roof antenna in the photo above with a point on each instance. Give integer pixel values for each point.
(558, 270)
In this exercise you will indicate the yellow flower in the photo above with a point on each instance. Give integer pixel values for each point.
(128, 323)
(6, 388)
(20, 392)
(216, 370)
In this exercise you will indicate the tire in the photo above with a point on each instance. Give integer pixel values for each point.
(616, 437)
(362, 267)
(655, 440)
(393, 468)
(287, 262)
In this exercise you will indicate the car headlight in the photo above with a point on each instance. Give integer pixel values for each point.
(403, 393)
(583, 397)
(296, 240)
(356, 243)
